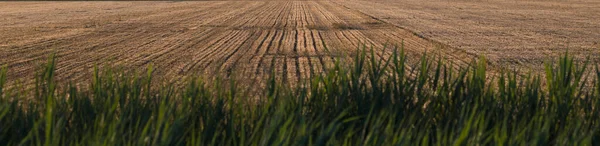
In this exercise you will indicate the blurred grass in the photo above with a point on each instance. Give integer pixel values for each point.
(369, 102)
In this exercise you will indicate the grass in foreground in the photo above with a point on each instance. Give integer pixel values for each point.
(371, 102)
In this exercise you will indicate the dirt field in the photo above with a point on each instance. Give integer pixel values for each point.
(295, 39)
(511, 33)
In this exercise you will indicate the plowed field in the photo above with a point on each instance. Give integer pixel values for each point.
(295, 39)
(510, 33)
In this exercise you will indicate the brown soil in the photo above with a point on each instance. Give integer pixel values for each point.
(295, 39)
(511, 33)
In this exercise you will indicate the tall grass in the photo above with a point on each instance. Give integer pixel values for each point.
(370, 102)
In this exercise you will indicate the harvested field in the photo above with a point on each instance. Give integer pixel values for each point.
(510, 33)
(294, 39)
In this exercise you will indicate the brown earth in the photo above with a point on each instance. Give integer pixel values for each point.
(295, 39)
(519, 34)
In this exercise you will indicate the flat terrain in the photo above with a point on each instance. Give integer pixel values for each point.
(510, 33)
(295, 39)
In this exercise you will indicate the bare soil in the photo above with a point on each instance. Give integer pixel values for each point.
(520, 34)
(294, 39)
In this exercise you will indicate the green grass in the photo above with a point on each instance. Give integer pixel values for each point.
(369, 102)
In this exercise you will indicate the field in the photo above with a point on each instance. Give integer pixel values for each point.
(515, 34)
(294, 38)
(384, 72)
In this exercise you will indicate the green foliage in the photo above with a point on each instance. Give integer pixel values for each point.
(373, 101)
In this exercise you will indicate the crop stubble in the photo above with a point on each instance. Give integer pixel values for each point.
(519, 34)
(249, 39)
